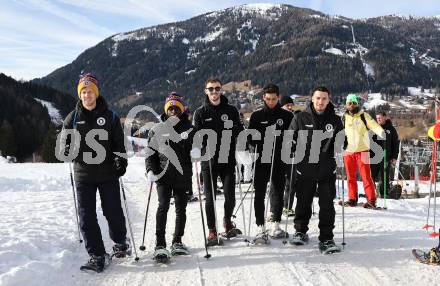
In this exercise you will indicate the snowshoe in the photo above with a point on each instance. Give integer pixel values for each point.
(230, 229)
(121, 250)
(371, 205)
(349, 203)
(179, 248)
(261, 239)
(161, 255)
(270, 218)
(276, 232)
(213, 239)
(232, 233)
(299, 239)
(288, 212)
(329, 247)
(96, 263)
(431, 257)
(192, 198)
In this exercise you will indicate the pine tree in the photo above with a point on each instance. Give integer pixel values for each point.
(7, 139)
(48, 147)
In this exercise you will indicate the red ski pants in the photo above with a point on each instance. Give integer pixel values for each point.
(362, 159)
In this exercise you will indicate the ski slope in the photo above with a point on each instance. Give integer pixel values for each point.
(39, 242)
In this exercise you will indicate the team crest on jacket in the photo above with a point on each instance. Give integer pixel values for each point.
(329, 127)
(224, 117)
(184, 135)
(280, 122)
(100, 121)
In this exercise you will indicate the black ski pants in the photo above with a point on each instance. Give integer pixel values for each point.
(227, 176)
(111, 208)
(262, 177)
(377, 172)
(289, 187)
(305, 190)
(164, 194)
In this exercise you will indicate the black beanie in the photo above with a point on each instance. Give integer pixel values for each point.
(285, 100)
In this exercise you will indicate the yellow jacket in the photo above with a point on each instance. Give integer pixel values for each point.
(356, 132)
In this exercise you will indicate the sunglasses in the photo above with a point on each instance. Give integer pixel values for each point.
(351, 103)
(174, 109)
(211, 89)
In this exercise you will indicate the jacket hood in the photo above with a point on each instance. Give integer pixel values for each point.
(271, 110)
(101, 106)
(388, 124)
(223, 101)
(330, 109)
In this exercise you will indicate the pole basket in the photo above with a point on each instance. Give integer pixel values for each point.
(434, 234)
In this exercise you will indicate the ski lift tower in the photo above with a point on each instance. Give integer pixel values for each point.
(415, 157)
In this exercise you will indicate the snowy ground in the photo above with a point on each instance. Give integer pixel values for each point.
(39, 246)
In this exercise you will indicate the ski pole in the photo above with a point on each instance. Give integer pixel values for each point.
(269, 184)
(431, 182)
(385, 177)
(214, 198)
(434, 233)
(288, 202)
(252, 193)
(207, 256)
(74, 201)
(241, 198)
(439, 238)
(343, 207)
(128, 219)
(339, 189)
(427, 225)
(142, 247)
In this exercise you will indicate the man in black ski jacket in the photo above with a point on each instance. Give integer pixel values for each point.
(171, 180)
(270, 117)
(391, 145)
(218, 116)
(96, 166)
(316, 170)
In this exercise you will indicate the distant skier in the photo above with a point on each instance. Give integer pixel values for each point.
(98, 172)
(172, 182)
(271, 115)
(391, 145)
(356, 125)
(218, 115)
(316, 171)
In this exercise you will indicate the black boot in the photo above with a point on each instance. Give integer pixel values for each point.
(96, 263)
(120, 250)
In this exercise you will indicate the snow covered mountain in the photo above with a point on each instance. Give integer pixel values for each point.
(54, 113)
(294, 47)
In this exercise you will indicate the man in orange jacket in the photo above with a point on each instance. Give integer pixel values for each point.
(357, 125)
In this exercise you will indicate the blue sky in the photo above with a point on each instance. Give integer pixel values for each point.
(39, 36)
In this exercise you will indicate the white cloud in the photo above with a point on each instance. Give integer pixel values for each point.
(152, 11)
(33, 42)
(76, 19)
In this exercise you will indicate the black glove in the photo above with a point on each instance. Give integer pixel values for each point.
(120, 165)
